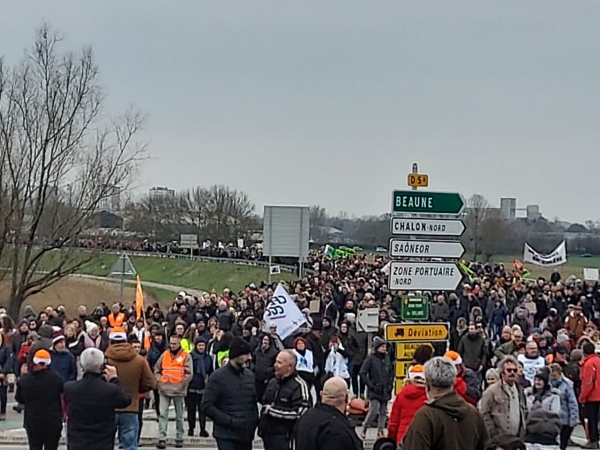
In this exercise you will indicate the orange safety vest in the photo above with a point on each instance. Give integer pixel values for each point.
(173, 370)
(116, 321)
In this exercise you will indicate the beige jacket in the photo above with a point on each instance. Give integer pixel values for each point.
(179, 389)
(494, 408)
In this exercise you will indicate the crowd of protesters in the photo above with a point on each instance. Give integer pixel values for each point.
(522, 351)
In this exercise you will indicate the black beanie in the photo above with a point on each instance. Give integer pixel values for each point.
(238, 347)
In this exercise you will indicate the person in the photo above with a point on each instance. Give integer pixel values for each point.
(569, 409)
(446, 421)
(541, 395)
(467, 383)
(116, 317)
(590, 392)
(531, 360)
(492, 376)
(174, 371)
(7, 361)
(264, 361)
(286, 399)
(203, 368)
(406, 404)
(92, 402)
(326, 427)
(157, 348)
(473, 350)
(377, 373)
(440, 312)
(63, 361)
(40, 392)
(135, 377)
(503, 405)
(510, 347)
(230, 400)
(336, 363)
(305, 366)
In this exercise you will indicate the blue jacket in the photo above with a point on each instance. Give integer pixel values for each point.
(203, 367)
(7, 360)
(499, 315)
(65, 364)
(569, 410)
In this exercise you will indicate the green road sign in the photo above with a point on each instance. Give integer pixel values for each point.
(424, 202)
(414, 308)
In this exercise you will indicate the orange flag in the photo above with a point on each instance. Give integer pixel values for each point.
(139, 299)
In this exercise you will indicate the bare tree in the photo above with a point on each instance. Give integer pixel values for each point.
(59, 157)
(477, 210)
(318, 220)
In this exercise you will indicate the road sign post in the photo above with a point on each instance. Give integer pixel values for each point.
(417, 332)
(414, 308)
(424, 202)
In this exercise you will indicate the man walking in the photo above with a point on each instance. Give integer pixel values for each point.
(446, 421)
(472, 348)
(230, 400)
(63, 361)
(286, 399)
(135, 377)
(325, 427)
(503, 405)
(92, 402)
(590, 392)
(174, 370)
(40, 392)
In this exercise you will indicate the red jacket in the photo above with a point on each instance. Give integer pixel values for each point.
(590, 379)
(460, 386)
(406, 404)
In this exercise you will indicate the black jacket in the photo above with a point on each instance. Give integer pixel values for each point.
(264, 362)
(360, 345)
(230, 401)
(203, 367)
(313, 344)
(40, 391)
(473, 350)
(377, 372)
(288, 399)
(155, 352)
(91, 403)
(326, 428)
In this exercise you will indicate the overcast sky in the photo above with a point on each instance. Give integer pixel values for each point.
(331, 102)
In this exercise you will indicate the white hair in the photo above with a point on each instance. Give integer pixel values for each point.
(92, 360)
(440, 372)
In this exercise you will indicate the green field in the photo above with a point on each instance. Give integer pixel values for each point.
(203, 276)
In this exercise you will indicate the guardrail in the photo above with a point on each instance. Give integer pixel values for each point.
(243, 262)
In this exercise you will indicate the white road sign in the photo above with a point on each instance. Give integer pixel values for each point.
(424, 276)
(426, 249)
(427, 227)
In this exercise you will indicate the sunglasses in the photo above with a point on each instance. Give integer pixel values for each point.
(511, 370)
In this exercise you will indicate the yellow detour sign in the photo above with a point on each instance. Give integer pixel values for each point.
(398, 385)
(406, 350)
(415, 332)
(418, 180)
(402, 368)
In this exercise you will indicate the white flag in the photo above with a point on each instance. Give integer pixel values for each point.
(283, 312)
(555, 258)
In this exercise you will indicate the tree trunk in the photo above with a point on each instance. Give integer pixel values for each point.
(14, 306)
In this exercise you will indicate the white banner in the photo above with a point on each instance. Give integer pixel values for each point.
(283, 312)
(556, 258)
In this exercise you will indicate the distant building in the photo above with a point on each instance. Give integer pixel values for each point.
(508, 208)
(112, 201)
(533, 213)
(160, 192)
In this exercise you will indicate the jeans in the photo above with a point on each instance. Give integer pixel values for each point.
(43, 439)
(376, 408)
(193, 402)
(140, 416)
(127, 430)
(565, 435)
(3, 399)
(163, 420)
(358, 387)
(591, 411)
(224, 444)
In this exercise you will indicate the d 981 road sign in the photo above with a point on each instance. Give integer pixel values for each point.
(424, 202)
(414, 308)
(424, 276)
(416, 332)
(418, 180)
